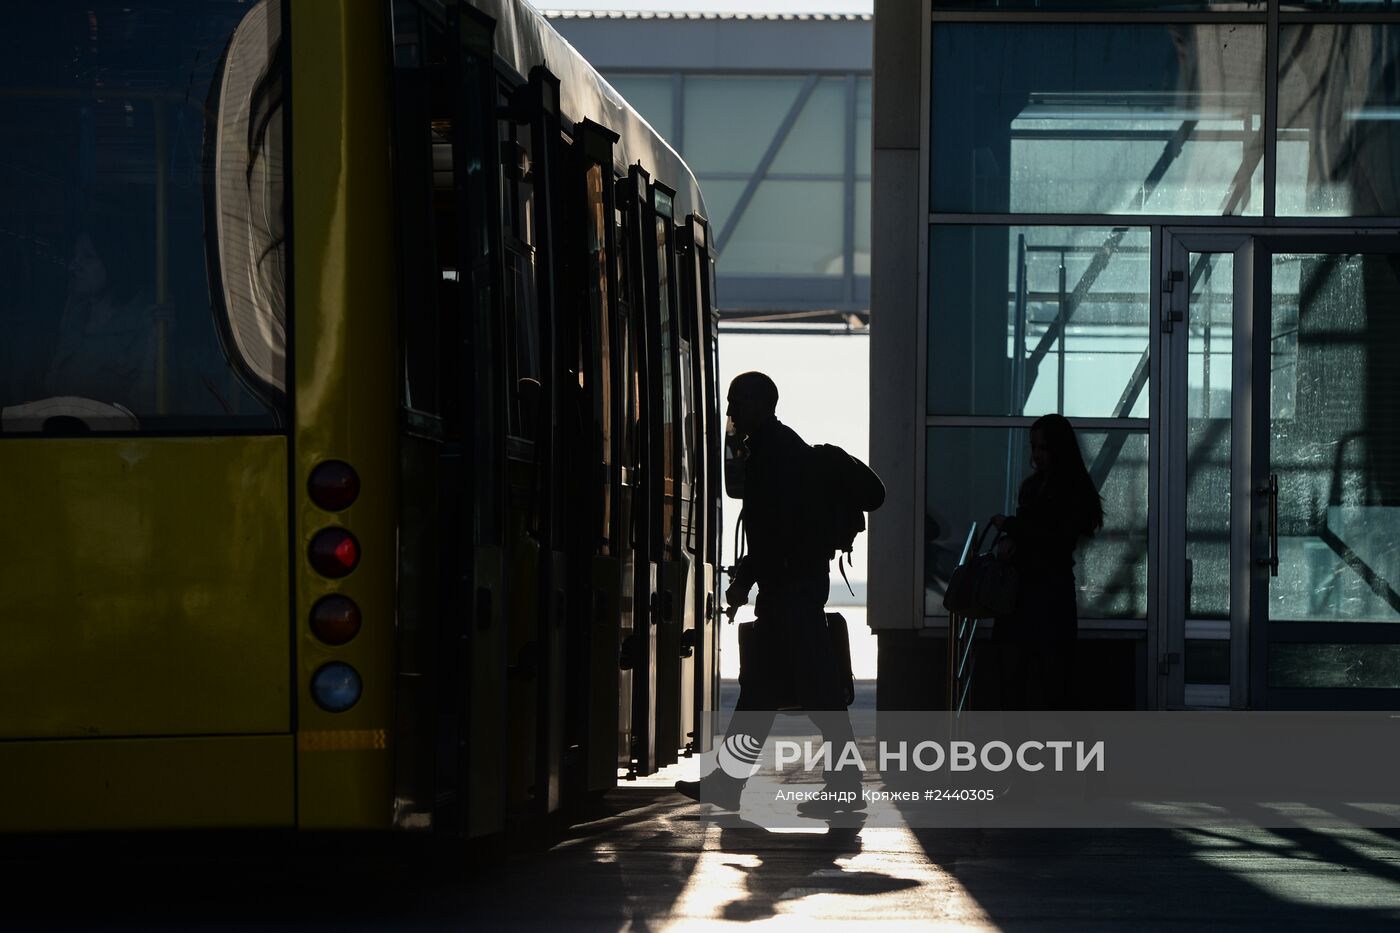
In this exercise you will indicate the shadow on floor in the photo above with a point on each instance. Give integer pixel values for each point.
(1159, 879)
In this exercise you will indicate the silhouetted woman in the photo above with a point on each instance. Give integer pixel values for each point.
(1057, 506)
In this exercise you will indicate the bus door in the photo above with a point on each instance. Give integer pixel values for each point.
(688, 530)
(628, 368)
(716, 453)
(527, 415)
(644, 464)
(450, 637)
(595, 490)
(675, 568)
(558, 395)
(699, 640)
(475, 589)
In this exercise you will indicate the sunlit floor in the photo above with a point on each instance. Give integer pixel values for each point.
(663, 863)
(660, 862)
(651, 860)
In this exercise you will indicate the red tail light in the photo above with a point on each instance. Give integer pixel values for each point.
(334, 552)
(334, 485)
(335, 619)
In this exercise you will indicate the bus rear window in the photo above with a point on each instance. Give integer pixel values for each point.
(142, 217)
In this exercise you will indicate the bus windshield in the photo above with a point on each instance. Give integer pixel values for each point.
(142, 217)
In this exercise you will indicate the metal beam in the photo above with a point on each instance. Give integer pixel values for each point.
(765, 163)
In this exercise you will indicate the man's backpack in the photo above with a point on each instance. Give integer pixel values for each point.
(844, 489)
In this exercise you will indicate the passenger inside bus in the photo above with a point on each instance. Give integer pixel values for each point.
(85, 356)
(106, 344)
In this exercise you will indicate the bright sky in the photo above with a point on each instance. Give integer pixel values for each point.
(714, 6)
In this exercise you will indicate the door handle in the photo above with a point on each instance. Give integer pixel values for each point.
(1271, 490)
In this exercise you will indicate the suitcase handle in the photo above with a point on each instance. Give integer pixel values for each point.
(983, 538)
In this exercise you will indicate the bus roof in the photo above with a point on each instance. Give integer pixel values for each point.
(524, 38)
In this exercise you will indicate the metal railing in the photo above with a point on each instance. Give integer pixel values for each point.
(962, 630)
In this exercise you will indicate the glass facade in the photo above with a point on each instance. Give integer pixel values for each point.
(1122, 118)
(789, 198)
(1056, 319)
(977, 472)
(1175, 224)
(1338, 107)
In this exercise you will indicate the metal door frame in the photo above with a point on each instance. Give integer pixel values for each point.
(1168, 633)
(1253, 249)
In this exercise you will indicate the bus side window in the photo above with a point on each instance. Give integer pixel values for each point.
(600, 295)
(664, 253)
(689, 428)
(627, 365)
(143, 218)
(522, 312)
(423, 108)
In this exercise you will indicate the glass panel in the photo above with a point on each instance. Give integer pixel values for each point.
(668, 368)
(630, 387)
(789, 228)
(429, 275)
(488, 418)
(599, 298)
(689, 450)
(862, 244)
(1342, 6)
(652, 96)
(863, 136)
(1335, 437)
(715, 105)
(1209, 323)
(998, 297)
(1323, 666)
(816, 144)
(1102, 119)
(720, 198)
(1097, 6)
(1338, 119)
(974, 473)
(140, 139)
(523, 326)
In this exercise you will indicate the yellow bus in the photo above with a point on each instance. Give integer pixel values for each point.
(360, 433)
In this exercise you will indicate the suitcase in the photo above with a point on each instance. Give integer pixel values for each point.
(761, 672)
(841, 650)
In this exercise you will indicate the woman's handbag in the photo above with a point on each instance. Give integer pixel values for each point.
(985, 586)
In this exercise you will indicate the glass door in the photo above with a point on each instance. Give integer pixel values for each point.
(1277, 472)
(1325, 485)
(1202, 443)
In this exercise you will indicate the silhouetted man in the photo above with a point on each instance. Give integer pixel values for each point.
(789, 662)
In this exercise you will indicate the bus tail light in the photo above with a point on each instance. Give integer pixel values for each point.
(335, 619)
(334, 552)
(336, 687)
(334, 485)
